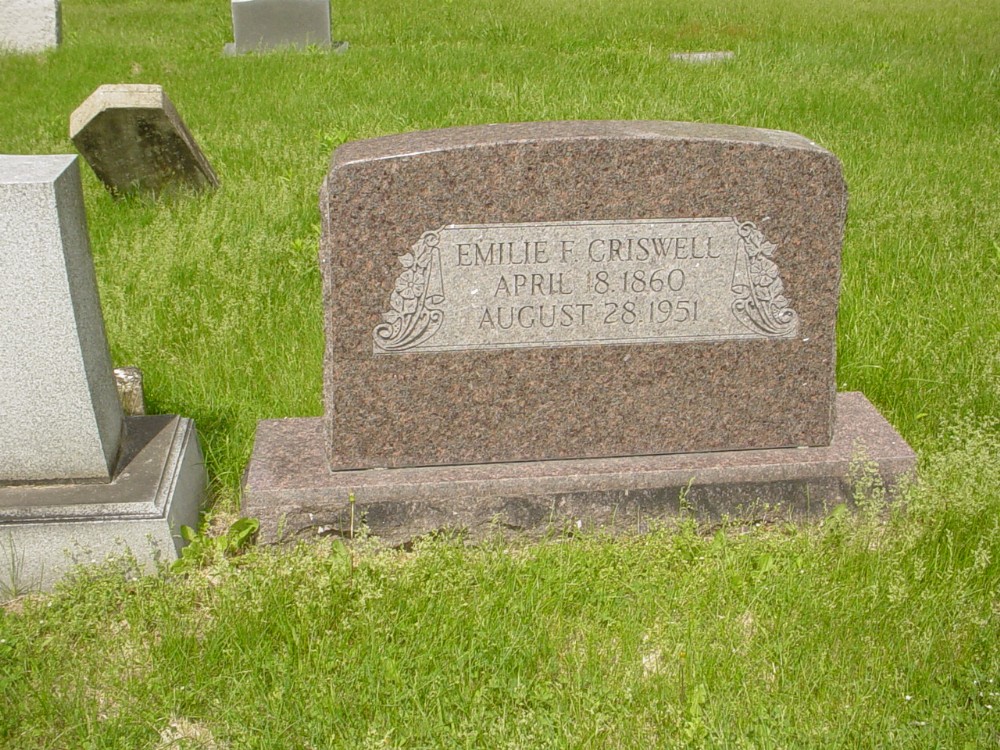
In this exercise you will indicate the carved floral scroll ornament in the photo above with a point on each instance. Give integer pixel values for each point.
(760, 303)
(414, 313)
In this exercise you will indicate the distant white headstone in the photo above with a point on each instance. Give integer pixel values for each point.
(29, 25)
(61, 414)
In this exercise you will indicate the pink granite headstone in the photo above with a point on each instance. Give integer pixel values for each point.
(531, 308)
(579, 289)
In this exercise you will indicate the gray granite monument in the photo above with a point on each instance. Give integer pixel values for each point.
(29, 25)
(262, 25)
(78, 479)
(573, 322)
(134, 140)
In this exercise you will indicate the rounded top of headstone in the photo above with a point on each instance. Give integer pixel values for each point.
(471, 136)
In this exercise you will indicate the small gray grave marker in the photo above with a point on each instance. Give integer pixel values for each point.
(134, 140)
(702, 58)
(262, 25)
(130, 394)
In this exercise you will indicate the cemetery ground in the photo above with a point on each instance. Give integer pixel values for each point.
(879, 628)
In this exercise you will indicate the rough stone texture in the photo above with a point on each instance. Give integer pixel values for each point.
(554, 402)
(29, 25)
(129, 383)
(61, 417)
(134, 140)
(260, 25)
(290, 489)
(45, 530)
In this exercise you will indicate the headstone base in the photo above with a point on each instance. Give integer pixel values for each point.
(229, 49)
(47, 529)
(289, 488)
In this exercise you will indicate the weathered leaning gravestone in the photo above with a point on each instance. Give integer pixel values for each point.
(135, 141)
(29, 25)
(78, 480)
(573, 323)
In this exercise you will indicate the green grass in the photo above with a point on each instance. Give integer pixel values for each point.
(871, 630)
(777, 638)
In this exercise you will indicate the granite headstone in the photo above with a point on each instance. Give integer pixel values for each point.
(54, 360)
(502, 299)
(29, 25)
(75, 473)
(261, 25)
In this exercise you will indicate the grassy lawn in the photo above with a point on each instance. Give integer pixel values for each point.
(874, 630)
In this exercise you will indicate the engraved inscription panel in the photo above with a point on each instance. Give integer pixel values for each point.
(497, 286)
